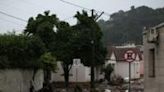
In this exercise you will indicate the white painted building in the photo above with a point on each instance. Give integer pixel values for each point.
(121, 66)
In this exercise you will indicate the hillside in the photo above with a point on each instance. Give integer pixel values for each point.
(127, 26)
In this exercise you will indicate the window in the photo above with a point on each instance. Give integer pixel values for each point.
(151, 63)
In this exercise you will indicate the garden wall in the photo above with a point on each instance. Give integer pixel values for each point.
(16, 80)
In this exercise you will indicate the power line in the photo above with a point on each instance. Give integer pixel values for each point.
(12, 7)
(36, 5)
(83, 7)
(12, 22)
(75, 5)
(1, 12)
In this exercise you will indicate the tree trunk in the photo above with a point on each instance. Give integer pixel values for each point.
(34, 72)
(32, 81)
(47, 76)
(92, 77)
(66, 74)
(46, 84)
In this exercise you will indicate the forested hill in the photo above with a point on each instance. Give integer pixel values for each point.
(127, 26)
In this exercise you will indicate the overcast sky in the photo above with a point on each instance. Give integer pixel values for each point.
(26, 8)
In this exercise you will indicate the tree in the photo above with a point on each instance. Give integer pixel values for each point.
(50, 64)
(42, 27)
(64, 49)
(58, 42)
(90, 48)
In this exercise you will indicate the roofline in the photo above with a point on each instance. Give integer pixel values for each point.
(123, 60)
(145, 30)
(159, 26)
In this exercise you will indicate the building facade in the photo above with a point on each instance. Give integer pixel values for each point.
(153, 39)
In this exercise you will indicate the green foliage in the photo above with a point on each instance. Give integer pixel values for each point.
(43, 27)
(58, 42)
(116, 80)
(49, 61)
(127, 26)
(88, 41)
(19, 51)
(63, 45)
(66, 42)
(108, 70)
(78, 89)
(89, 47)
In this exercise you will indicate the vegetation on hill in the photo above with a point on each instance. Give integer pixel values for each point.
(127, 26)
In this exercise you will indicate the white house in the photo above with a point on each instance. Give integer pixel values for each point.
(121, 66)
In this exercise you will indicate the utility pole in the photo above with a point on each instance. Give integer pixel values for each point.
(99, 16)
(129, 76)
(93, 51)
(93, 56)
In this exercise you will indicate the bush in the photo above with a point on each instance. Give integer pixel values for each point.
(108, 70)
(20, 51)
(116, 80)
(78, 88)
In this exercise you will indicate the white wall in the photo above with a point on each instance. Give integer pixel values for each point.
(77, 73)
(122, 68)
(99, 74)
(16, 80)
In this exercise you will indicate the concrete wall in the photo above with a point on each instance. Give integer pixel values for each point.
(78, 73)
(122, 68)
(99, 74)
(16, 80)
(156, 83)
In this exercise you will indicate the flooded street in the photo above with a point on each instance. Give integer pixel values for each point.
(136, 86)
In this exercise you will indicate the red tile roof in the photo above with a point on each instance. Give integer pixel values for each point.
(119, 53)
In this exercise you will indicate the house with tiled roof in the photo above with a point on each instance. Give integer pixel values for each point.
(116, 57)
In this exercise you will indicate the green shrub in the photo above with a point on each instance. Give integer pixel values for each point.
(108, 70)
(20, 51)
(116, 80)
(78, 88)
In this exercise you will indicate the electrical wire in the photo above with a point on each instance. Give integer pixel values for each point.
(74, 5)
(2, 19)
(83, 7)
(1, 12)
